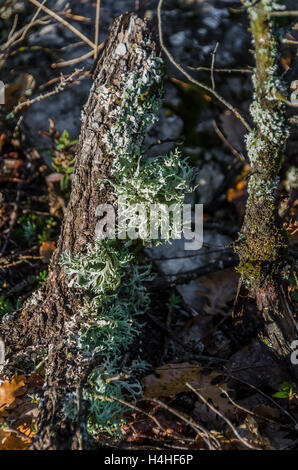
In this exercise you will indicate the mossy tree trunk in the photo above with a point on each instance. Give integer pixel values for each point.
(39, 328)
(262, 248)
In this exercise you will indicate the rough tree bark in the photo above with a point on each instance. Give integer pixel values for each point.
(263, 241)
(40, 325)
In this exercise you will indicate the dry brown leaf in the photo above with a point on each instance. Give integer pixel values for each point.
(46, 250)
(18, 413)
(171, 379)
(237, 194)
(10, 441)
(220, 288)
(10, 390)
(2, 139)
(19, 90)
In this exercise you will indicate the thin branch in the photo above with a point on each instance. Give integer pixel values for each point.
(173, 336)
(252, 413)
(76, 60)
(15, 22)
(284, 13)
(96, 36)
(64, 22)
(234, 430)
(198, 428)
(60, 87)
(139, 410)
(211, 267)
(208, 69)
(212, 66)
(192, 255)
(57, 79)
(290, 41)
(34, 18)
(227, 143)
(268, 397)
(19, 36)
(77, 17)
(190, 78)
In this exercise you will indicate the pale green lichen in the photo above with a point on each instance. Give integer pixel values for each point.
(262, 243)
(158, 181)
(261, 189)
(105, 327)
(272, 129)
(99, 269)
(114, 285)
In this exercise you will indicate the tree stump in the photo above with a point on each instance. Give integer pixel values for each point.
(41, 324)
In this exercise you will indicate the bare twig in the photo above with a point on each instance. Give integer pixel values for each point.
(208, 69)
(24, 259)
(190, 78)
(76, 60)
(15, 37)
(34, 18)
(76, 17)
(268, 397)
(151, 416)
(234, 430)
(57, 79)
(290, 41)
(227, 143)
(284, 13)
(212, 66)
(212, 266)
(96, 36)
(209, 440)
(13, 28)
(252, 413)
(64, 22)
(60, 87)
(192, 255)
(174, 337)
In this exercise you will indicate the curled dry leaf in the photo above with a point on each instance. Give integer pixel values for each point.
(11, 441)
(171, 379)
(10, 390)
(46, 250)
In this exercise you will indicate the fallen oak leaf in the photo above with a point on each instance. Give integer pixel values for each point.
(171, 379)
(10, 390)
(220, 288)
(11, 441)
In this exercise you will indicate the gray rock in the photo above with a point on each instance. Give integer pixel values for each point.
(177, 39)
(49, 35)
(209, 179)
(175, 259)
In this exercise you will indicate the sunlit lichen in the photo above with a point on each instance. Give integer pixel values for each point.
(262, 242)
(113, 284)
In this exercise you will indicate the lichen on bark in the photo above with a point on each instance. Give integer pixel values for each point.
(262, 245)
(84, 321)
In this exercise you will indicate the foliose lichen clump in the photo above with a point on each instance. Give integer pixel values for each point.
(114, 285)
(135, 178)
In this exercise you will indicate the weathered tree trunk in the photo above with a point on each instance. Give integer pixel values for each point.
(40, 325)
(263, 241)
